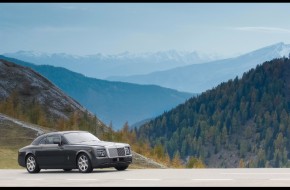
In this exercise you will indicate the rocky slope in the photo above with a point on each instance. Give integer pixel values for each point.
(32, 87)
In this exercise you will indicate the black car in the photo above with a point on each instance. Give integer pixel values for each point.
(69, 150)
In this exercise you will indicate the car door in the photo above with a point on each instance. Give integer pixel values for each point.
(50, 155)
(69, 154)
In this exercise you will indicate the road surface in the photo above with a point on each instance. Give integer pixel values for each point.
(149, 177)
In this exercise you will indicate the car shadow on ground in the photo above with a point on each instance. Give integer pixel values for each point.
(43, 171)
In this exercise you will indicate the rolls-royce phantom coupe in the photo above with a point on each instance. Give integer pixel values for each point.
(69, 150)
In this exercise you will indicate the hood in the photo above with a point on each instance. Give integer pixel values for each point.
(105, 144)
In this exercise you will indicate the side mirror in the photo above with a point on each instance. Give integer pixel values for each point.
(56, 141)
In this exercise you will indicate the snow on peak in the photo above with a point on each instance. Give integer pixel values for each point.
(183, 57)
(38, 54)
(283, 50)
(30, 53)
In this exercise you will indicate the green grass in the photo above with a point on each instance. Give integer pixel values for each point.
(12, 138)
(8, 159)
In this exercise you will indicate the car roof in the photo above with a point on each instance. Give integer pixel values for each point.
(36, 141)
(63, 132)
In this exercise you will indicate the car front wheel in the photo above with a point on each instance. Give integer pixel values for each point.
(121, 168)
(84, 163)
(31, 164)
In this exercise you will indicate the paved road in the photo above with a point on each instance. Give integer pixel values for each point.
(149, 177)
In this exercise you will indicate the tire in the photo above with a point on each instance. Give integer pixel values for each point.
(121, 167)
(31, 164)
(67, 170)
(84, 163)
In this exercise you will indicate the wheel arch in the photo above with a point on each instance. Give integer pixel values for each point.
(29, 153)
(83, 152)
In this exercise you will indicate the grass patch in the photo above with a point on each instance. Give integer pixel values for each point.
(8, 159)
(12, 138)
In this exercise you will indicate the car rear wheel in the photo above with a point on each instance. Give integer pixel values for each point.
(121, 168)
(31, 164)
(84, 163)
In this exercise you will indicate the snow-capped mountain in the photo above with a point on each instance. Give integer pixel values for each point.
(123, 64)
(201, 77)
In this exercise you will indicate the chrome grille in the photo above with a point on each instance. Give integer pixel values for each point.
(115, 152)
(121, 151)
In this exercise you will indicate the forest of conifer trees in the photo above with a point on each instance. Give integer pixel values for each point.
(240, 123)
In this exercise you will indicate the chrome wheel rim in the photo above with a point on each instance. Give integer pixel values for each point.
(30, 164)
(83, 163)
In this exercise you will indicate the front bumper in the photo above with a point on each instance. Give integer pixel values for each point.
(111, 162)
(21, 159)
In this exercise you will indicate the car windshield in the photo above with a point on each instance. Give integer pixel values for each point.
(75, 138)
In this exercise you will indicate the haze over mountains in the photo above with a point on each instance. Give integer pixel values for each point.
(115, 102)
(198, 78)
(103, 66)
(184, 71)
(121, 102)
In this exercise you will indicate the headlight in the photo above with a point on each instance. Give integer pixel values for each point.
(101, 153)
(127, 151)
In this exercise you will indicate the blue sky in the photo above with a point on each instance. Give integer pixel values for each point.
(224, 28)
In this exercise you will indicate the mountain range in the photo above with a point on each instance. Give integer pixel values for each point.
(197, 78)
(115, 102)
(184, 71)
(124, 64)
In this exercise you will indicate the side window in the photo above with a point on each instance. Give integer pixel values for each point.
(49, 139)
(63, 140)
(42, 141)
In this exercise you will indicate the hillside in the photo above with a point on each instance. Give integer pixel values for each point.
(114, 102)
(198, 78)
(28, 96)
(30, 87)
(240, 123)
(13, 137)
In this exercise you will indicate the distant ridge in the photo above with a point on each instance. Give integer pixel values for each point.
(198, 78)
